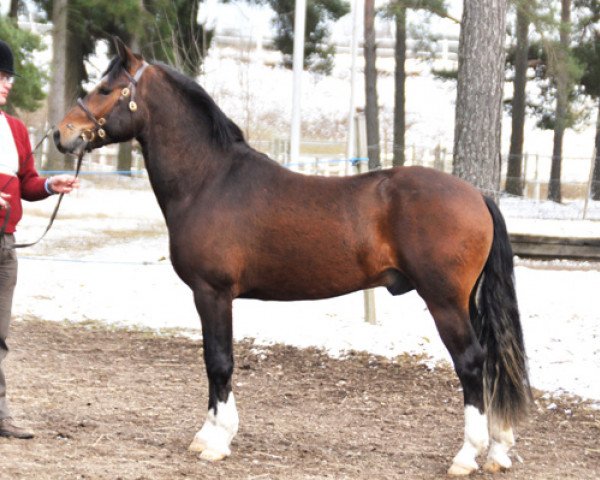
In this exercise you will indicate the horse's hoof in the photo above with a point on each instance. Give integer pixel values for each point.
(494, 467)
(212, 455)
(197, 446)
(497, 460)
(207, 453)
(461, 470)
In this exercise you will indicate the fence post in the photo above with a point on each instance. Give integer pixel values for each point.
(369, 300)
(362, 151)
(524, 175)
(589, 186)
(437, 158)
(445, 167)
(537, 180)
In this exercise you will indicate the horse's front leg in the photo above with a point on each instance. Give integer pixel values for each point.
(221, 425)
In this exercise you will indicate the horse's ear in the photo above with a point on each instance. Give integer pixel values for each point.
(125, 54)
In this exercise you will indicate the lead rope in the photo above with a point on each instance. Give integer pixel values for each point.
(54, 213)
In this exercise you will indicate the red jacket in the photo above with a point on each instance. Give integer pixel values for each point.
(27, 184)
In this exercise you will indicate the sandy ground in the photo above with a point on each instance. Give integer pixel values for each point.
(121, 404)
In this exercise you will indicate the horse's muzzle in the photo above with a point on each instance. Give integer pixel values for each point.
(75, 145)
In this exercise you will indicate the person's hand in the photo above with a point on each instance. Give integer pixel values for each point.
(4, 200)
(63, 183)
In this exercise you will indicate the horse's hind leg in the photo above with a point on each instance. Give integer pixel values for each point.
(455, 329)
(502, 441)
(221, 425)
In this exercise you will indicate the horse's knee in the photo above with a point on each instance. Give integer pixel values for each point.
(219, 369)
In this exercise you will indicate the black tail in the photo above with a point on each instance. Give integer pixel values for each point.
(507, 393)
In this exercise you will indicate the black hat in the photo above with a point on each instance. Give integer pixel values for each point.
(7, 61)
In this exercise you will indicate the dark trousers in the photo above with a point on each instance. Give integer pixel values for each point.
(8, 280)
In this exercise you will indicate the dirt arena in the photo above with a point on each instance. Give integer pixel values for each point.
(116, 404)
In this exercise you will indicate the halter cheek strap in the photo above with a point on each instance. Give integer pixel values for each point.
(89, 135)
(133, 83)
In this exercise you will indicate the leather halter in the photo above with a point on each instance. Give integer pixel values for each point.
(89, 134)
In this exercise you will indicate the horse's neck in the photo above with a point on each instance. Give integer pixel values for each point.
(179, 155)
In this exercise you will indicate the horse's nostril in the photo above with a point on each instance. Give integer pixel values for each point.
(56, 137)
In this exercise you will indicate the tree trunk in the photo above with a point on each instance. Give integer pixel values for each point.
(596, 174)
(56, 96)
(74, 76)
(68, 72)
(371, 107)
(14, 9)
(478, 123)
(562, 92)
(400, 84)
(514, 175)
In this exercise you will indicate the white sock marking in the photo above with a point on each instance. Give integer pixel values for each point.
(219, 429)
(502, 441)
(476, 439)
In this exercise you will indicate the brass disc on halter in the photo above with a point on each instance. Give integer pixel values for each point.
(132, 106)
(87, 135)
(125, 92)
(101, 133)
(101, 121)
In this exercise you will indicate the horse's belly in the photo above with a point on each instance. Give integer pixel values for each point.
(294, 293)
(307, 280)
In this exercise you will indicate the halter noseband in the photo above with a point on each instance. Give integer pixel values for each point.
(89, 135)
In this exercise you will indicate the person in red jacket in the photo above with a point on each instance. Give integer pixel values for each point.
(18, 180)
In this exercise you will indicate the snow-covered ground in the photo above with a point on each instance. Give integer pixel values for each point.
(106, 259)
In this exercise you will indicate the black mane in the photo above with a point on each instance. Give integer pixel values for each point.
(114, 68)
(224, 131)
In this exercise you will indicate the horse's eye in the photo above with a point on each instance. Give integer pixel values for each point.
(104, 91)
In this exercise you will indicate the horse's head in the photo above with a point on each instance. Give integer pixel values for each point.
(109, 113)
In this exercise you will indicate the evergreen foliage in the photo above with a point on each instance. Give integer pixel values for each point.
(167, 30)
(27, 93)
(318, 53)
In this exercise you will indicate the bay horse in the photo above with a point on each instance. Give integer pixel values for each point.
(242, 226)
